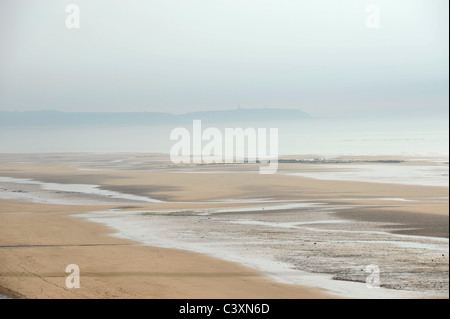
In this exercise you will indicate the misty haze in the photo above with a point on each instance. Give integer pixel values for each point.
(96, 201)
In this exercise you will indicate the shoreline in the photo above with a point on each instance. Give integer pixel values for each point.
(279, 206)
(132, 225)
(173, 274)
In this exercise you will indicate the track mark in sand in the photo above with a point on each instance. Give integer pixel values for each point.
(40, 277)
(82, 245)
(139, 274)
(33, 274)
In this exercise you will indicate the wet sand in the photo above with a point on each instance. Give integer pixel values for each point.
(36, 248)
(415, 224)
(40, 236)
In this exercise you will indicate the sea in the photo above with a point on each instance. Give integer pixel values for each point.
(326, 137)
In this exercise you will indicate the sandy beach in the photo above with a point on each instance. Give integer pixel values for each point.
(139, 226)
(224, 150)
(33, 265)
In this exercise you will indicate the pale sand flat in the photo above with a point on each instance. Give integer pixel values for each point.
(115, 267)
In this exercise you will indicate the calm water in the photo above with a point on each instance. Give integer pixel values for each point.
(324, 137)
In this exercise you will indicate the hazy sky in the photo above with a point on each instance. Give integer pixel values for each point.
(188, 55)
